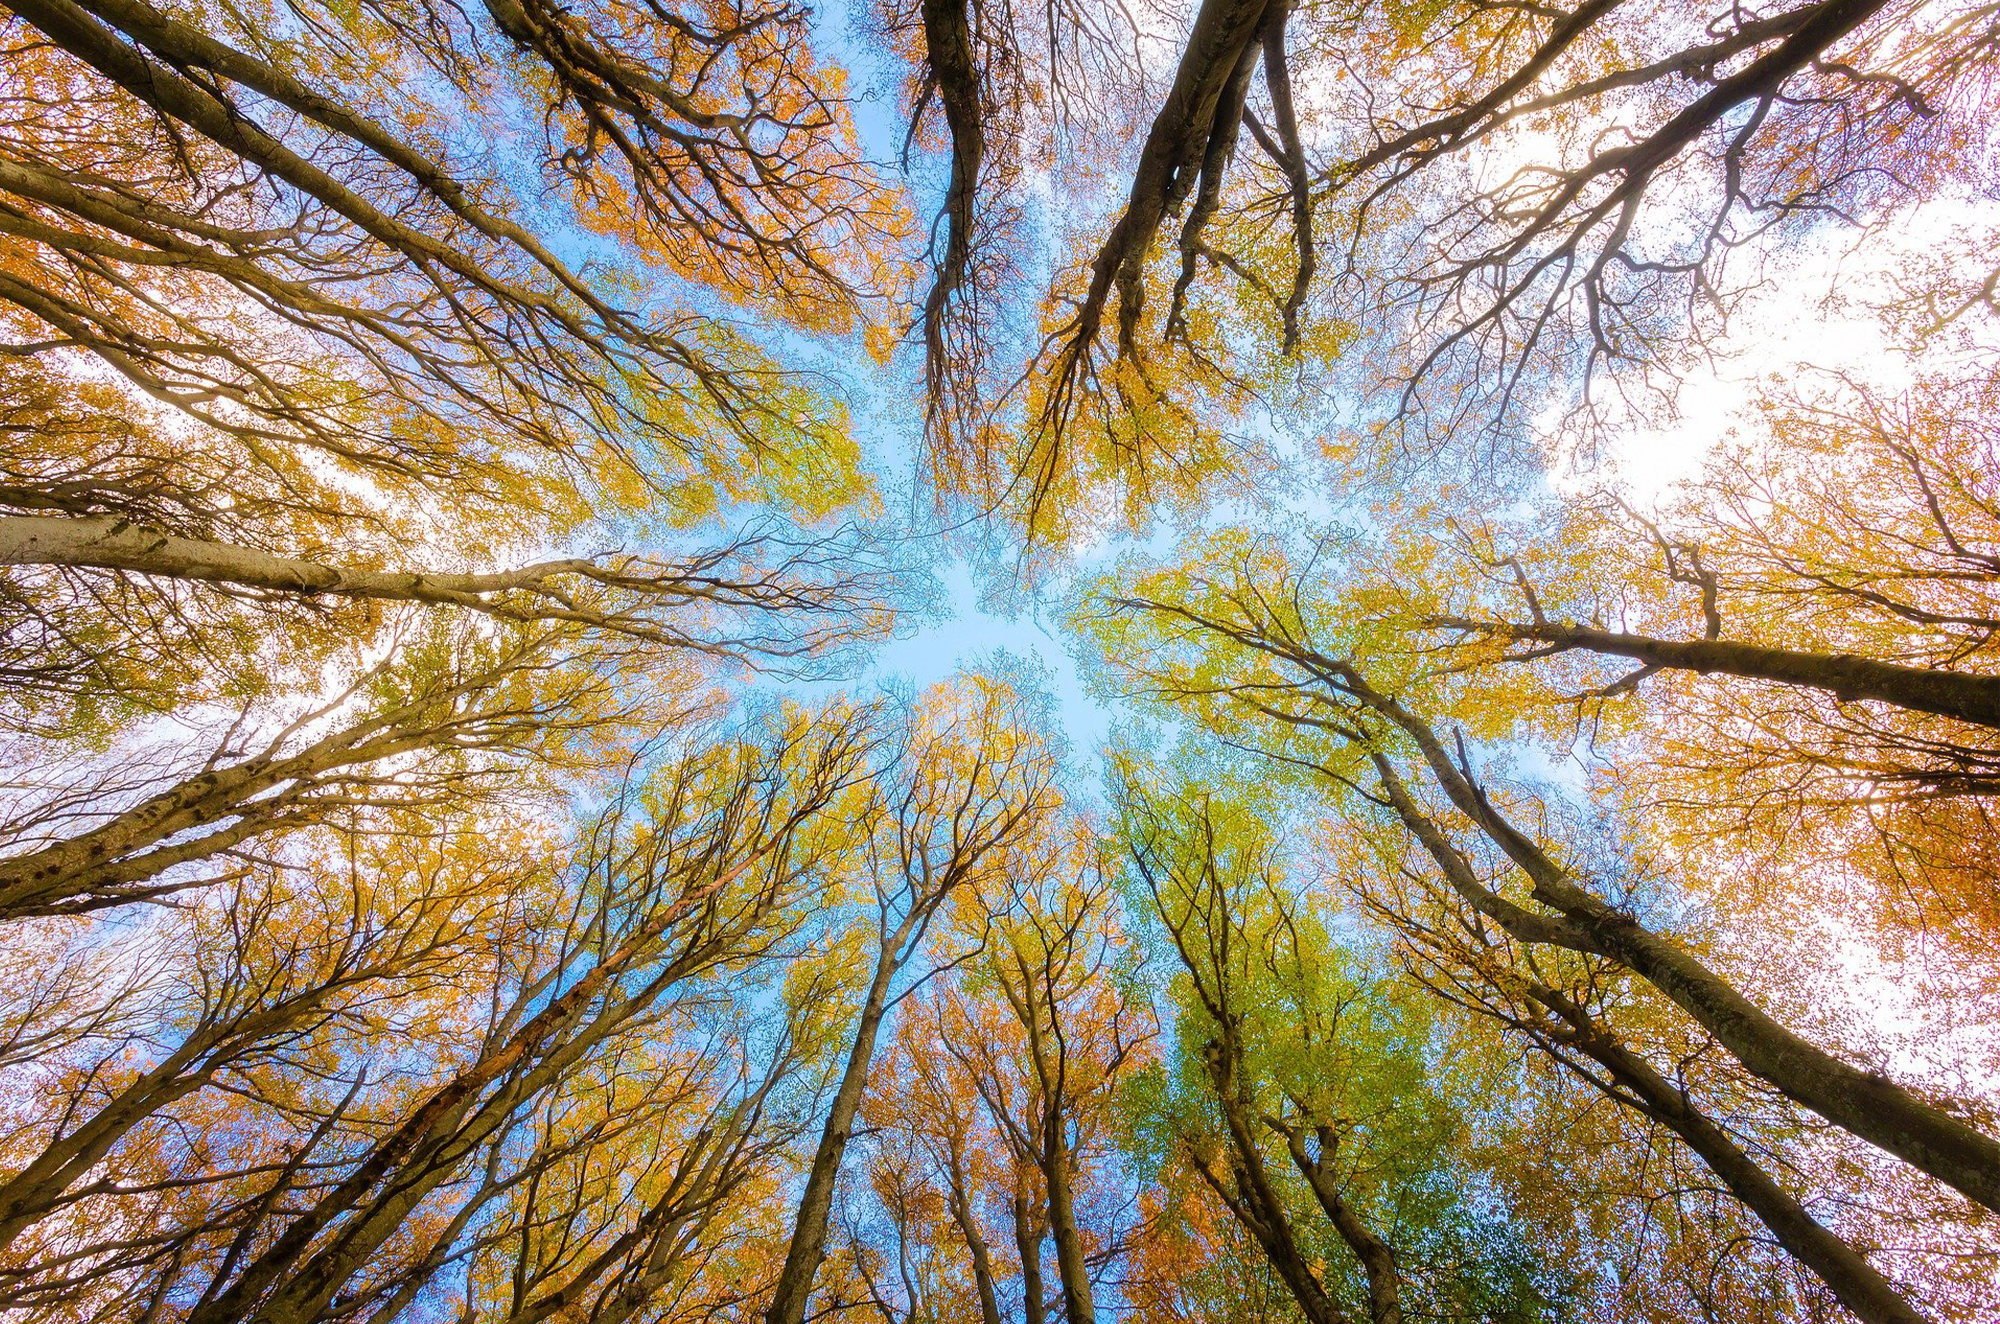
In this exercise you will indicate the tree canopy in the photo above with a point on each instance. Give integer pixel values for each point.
(1220, 662)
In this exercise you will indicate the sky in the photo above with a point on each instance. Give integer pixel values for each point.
(965, 634)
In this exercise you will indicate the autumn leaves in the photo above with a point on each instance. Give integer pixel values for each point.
(472, 902)
(418, 908)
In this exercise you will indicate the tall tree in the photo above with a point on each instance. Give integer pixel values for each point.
(675, 899)
(1807, 629)
(721, 139)
(446, 722)
(968, 776)
(1277, 662)
(1029, 1042)
(1646, 153)
(1299, 1099)
(282, 333)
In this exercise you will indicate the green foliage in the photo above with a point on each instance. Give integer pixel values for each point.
(1325, 1042)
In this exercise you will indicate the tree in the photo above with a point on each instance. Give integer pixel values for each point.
(967, 778)
(602, 970)
(279, 337)
(1272, 668)
(764, 596)
(459, 858)
(1480, 296)
(1570, 1024)
(947, 1163)
(1015, 94)
(995, 1115)
(283, 962)
(442, 724)
(721, 139)
(1063, 968)
(1598, 250)
(1808, 630)
(1300, 1098)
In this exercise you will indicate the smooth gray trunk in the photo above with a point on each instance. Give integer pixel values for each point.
(810, 1224)
(1862, 1102)
(101, 542)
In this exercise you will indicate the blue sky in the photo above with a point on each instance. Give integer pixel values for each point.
(964, 634)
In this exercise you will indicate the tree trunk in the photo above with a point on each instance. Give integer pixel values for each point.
(101, 542)
(809, 1226)
(975, 1243)
(1079, 1305)
(1846, 676)
(1377, 1257)
(29, 1194)
(1254, 1201)
(948, 50)
(1028, 1241)
(99, 867)
(1171, 155)
(1863, 1102)
(1051, 1152)
(1844, 1269)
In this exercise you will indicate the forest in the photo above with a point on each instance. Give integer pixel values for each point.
(924, 662)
